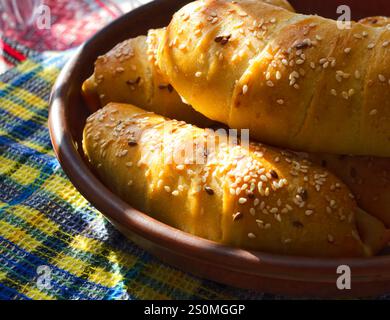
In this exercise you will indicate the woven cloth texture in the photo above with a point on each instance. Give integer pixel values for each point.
(45, 223)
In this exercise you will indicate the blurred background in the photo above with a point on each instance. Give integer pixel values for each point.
(30, 26)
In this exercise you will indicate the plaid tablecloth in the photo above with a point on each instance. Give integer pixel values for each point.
(53, 243)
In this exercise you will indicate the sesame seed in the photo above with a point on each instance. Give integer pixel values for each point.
(274, 174)
(209, 190)
(198, 74)
(251, 235)
(330, 238)
(237, 215)
(381, 78)
(280, 101)
(242, 200)
(167, 188)
(130, 182)
(385, 44)
(252, 211)
(245, 89)
(333, 92)
(180, 167)
(347, 50)
(357, 74)
(371, 46)
(175, 193)
(309, 212)
(270, 83)
(373, 112)
(278, 75)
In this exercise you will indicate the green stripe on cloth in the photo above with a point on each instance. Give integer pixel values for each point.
(44, 221)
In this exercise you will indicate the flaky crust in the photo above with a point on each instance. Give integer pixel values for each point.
(294, 80)
(267, 199)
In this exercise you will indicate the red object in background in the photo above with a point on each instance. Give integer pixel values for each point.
(72, 22)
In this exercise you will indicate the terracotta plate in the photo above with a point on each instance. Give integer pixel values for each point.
(247, 269)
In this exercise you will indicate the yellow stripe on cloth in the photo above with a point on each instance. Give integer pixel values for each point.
(18, 236)
(16, 109)
(28, 98)
(37, 219)
(64, 189)
(33, 292)
(24, 174)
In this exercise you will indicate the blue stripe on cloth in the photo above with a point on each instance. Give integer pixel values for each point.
(8, 293)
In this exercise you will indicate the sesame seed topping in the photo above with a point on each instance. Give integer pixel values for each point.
(175, 193)
(274, 174)
(209, 190)
(381, 78)
(167, 189)
(347, 50)
(357, 74)
(251, 235)
(242, 200)
(309, 212)
(237, 216)
(280, 101)
(373, 112)
(245, 89)
(198, 74)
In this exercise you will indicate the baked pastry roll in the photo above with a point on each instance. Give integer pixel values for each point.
(253, 197)
(296, 81)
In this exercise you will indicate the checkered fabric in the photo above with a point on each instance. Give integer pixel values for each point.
(46, 225)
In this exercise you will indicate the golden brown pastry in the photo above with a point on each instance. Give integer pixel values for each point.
(378, 21)
(129, 74)
(263, 199)
(367, 177)
(294, 80)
